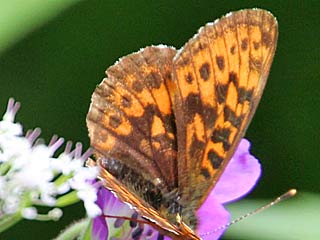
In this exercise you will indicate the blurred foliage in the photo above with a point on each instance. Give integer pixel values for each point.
(294, 219)
(54, 52)
(19, 17)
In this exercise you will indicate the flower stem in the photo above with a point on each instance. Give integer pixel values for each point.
(4, 167)
(62, 179)
(67, 199)
(74, 230)
(8, 221)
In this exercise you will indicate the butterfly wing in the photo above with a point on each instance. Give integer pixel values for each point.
(130, 120)
(218, 79)
(214, 83)
(132, 131)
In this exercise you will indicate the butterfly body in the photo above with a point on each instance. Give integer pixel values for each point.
(165, 123)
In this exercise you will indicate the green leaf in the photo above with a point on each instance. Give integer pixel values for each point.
(19, 17)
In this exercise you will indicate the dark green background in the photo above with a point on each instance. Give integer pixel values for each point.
(53, 71)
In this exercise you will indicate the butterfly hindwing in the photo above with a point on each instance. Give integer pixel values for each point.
(131, 119)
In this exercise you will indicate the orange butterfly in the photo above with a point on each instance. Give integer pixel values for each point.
(165, 123)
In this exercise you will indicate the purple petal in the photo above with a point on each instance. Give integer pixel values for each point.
(104, 227)
(110, 205)
(239, 177)
(211, 216)
(99, 228)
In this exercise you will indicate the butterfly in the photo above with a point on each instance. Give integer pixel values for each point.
(164, 123)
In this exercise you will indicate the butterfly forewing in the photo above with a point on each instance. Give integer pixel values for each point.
(219, 77)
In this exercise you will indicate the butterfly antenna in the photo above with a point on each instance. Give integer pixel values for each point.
(284, 196)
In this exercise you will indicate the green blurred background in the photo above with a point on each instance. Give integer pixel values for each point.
(54, 52)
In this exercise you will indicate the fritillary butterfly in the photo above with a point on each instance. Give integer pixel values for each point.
(165, 123)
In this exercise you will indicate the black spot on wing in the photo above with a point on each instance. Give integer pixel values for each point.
(233, 49)
(115, 121)
(137, 86)
(221, 91)
(244, 95)
(215, 159)
(154, 80)
(126, 101)
(193, 105)
(229, 115)
(189, 78)
(266, 39)
(220, 62)
(233, 78)
(209, 115)
(205, 71)
(222, 135)
(244, 44)
(205, 173)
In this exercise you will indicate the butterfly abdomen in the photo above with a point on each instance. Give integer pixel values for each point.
(167, 204)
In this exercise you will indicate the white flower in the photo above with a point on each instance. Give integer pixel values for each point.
(83, 183)
(55, 213)
(29, 172)
(29, 213)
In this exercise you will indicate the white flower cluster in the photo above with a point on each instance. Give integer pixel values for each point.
(31, 176)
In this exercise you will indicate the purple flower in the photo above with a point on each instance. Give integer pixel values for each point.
(238, 179)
